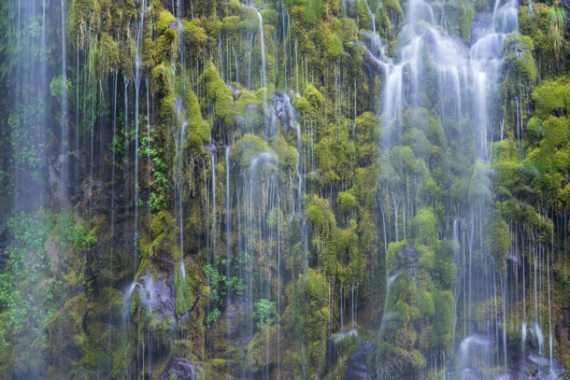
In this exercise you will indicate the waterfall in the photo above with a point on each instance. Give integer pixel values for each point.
(64, 130)
(138, 63)
(390, 203)
(228, 221)
(213, 229)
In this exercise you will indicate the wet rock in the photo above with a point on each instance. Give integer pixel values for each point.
(211, 148)
(359, 366)
(237, 320)
(471, 374)
(407, 260)
(540, 361)
(283, 110)
(180, 369)
(178, 105)
(236, 92)
(158, 296)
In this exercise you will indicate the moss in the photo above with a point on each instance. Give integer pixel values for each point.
(347, 203)
(159, 249)
(213, 26)
(393, 250)
(445, 274)
(197, 125)
(442, 333)
(194, 33)
(548, 134)
(262, 350)
(230, 24)
(498, 238)
(425, 301)
(219, 96)
(467, 16)
(248, 20)
(321, 217)
(307, 315)
(335, 152)
(110, 52)
(427, 259)
(311, 104)
(247, 148)
(270, 15)
(330, 41)
(424, 226)
(166, 23)
(288, 155)
(518, 57)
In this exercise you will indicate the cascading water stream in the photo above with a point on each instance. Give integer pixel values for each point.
(64, 123)
(228, 222)
(138, 79)
(467, 80)
(263, 63)
(378, 215)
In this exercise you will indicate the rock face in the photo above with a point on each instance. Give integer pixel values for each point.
(180, 369)
(283, 110)
(158, 296)
(237, 323)
(358, 366)
(536, 367)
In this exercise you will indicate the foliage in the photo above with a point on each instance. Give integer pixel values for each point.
(34, 286)
(265, 313)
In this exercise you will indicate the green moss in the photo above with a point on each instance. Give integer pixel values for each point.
(247, 20)
(219, 96)
(197, 125)
(307, 315)
(311, 104)
(230, 24)
(467, 16)
(347, 202)
(518, 57)
(424, 226)
(159, 249)
(194, 33)
(425, 301)
(288, 155)
(393, 250)
(442, 333)
(261, 350)
(247, 148)
(213, 26)
(166, 23)
(321, 217)
(330, 41)
(427, 259)
(445, 274)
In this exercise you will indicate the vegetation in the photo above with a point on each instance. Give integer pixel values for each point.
(168, 206)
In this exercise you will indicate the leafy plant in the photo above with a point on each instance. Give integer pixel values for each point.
(265, 313)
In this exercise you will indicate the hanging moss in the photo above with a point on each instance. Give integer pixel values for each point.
(219, 97)
(287, 154)
(247, 148)
(194, 33)
(320, 216)
(518, 56)
(467, 16)
(441, 336)
(347, 203)
(166, 23)
(307, 315)
(424, 226)
(498, 238)
(199, 129)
